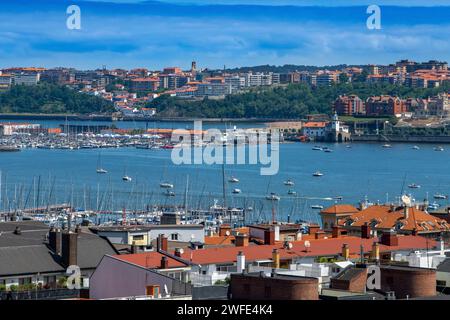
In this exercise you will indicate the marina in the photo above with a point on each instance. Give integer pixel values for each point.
(97, 182)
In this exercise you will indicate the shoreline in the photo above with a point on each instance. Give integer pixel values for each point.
(111, 118)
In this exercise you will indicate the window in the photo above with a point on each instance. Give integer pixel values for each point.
(174, 236)
(138, 237)
(23, 281)
(441, 283)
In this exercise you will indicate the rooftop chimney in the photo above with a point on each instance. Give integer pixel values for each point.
(275, 259)
(406, 212)
(223, 229)
(389, 239)
(365, 231)
(162, 242)
(276, 229)
(164, 263)
(345, 251)
(313, 228)
(336, 232)
(69, 248)
(240, 262)
(269, 237)
(241, 240)
(375, 253)
(54, 240)
(134, 248)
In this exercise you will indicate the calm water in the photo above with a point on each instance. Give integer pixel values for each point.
(39, 176)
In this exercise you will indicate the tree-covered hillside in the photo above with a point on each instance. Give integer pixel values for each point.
(293, 101)
(50, 98)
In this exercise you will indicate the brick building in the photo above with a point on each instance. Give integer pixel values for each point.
(349, 105)
(257, 286)
(384, 106)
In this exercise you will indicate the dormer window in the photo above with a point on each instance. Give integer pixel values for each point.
(399, 225)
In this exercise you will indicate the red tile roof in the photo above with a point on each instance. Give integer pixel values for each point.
(318, 247)
(386, 218)
(151, 260)
(340, 209)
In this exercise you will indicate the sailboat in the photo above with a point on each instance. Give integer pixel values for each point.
(100, 169)
(126, 177)
(289, 182)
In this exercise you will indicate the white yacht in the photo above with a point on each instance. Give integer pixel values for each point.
(233, 180)
(317, 174)
(236, 191)
(273, 197)
(289, 182)
(166, 185)
(126, 178)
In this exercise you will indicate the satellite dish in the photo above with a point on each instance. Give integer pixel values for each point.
(181, 250)
(290, 245)
(406, 200)
(227, 233)
(307, 244)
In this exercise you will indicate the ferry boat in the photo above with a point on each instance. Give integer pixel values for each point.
(289, 182)
(440, 196)
(273, 197)
(414, 186)
(236, 191)
(317, 174)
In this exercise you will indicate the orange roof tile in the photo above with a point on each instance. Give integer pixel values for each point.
(340, 209)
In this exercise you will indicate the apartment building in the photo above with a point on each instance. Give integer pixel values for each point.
(349, 105)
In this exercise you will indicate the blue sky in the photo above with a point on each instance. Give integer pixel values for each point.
(234, 33)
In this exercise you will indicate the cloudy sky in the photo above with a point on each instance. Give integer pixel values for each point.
(152, 34)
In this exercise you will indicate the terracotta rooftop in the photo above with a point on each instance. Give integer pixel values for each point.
(340, 209)
(387, 217)
(318, 247)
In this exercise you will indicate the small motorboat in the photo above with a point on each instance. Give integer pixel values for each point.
(273, 197)
(439, 148)
(317, 174)
(326, 149)
(433, 206)
(101, 170)
(233, 180)
(317, 207)
(440, 196)
(292, 192)
(387, 145)
(169, 194)
(416, 148)
(166, 185)
(338, 198)
(236, 191)
(317, 148)
(289, 182)
(414, 186)
(127, 178)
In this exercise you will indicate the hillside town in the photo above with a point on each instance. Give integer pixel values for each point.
(130, 90)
